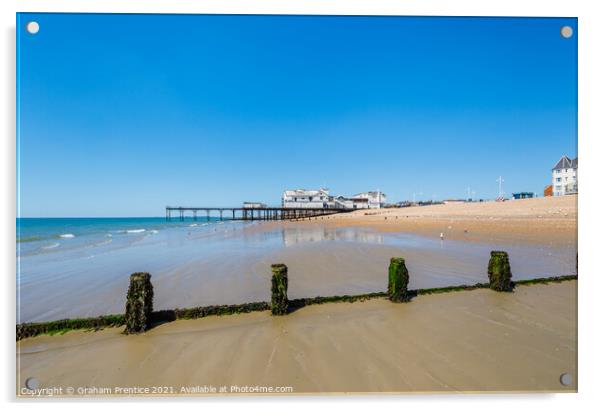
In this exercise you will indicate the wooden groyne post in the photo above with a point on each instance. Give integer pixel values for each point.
(279, 289)
(399, 277)
(139, 304)
(500, 275)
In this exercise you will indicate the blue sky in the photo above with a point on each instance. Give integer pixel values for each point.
(120, 115)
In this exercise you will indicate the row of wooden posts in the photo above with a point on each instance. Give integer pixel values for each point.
(139, 303)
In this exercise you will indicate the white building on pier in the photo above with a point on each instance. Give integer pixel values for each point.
(301, 198)
(321, 198)
(253, 204)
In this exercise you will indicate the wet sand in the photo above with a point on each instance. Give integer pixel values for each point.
(322, 261)
(465, 341)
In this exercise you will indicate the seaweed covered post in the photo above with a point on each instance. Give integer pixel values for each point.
(139, 303)
(279, 289)
(500, 276)
(397, 289)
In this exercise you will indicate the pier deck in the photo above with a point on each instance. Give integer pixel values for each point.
(250, 214)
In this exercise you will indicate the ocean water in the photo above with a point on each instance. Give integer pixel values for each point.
(47, 235)
(78, 267)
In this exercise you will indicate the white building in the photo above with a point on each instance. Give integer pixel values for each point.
(253, 204)
(564, 176)
(376, 199)
(350, 202)
(322, 199)
(302, 198)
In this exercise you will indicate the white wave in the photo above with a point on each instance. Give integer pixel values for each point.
(138, 230)
(193, 225)
(154, 231)
(51, 246)
(68, 235)
(204, 224)
(109, 235)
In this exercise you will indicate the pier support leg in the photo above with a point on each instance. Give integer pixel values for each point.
(279, 289)
(500, 276)
(398, 280)
(139, 303)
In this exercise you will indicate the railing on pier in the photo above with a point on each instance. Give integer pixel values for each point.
(250, 214)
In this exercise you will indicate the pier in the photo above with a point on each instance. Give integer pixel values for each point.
(249, 214)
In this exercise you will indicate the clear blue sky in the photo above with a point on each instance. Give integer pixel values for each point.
(121, 115)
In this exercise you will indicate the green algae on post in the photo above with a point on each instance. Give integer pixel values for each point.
(200, 312)
(500, 276)
(279, 289)
(139, 304)
(62, 326)
(398, 280)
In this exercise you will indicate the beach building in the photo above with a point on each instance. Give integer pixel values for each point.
(253, 204)
(301, 198)
(350, 202)
(321, 198)
(564, 176)
(522, 194)
(376, 199)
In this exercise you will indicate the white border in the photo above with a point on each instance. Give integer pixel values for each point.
(590, 115)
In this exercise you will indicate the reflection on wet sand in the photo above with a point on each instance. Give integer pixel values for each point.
(297, 235)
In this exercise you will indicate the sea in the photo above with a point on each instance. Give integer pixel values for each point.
(61, 235)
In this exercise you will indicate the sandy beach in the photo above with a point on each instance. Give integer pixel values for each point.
(456, 342)
(544, 220)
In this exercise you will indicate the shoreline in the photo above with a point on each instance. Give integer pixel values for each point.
(453, 342)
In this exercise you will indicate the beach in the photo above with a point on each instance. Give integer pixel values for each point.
(464, 341)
